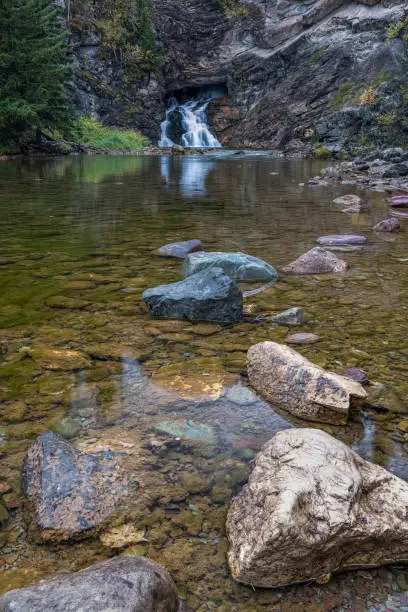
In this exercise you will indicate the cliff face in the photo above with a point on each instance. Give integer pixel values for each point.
(297, 71)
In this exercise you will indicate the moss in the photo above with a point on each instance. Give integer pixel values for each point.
(320, 152)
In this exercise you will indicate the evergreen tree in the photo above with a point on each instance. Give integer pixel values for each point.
(33, 70)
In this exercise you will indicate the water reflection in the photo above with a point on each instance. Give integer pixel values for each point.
(188, 172)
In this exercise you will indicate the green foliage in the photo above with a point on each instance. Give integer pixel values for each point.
(235, 9)
(33, 70)
(320, 152)
(128, 35)
(315, 58)
(90, 132)
(388, 119)
(393, 30)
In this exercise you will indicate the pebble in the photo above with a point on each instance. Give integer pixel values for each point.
(302, 338)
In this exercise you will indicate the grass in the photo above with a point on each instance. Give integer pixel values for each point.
(91, 133)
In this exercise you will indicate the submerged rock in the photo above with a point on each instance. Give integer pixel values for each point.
(292, 317)
(69, 492)
(131, 584)
(341, 240)
(209, 295)
(387, 225)
(57, 359)
(187, 429)
(317, 261)
(289, 380)
(180, 249)
(355, 374)
(302, 339)
(349, 200)
(238, 266)
(312, 507)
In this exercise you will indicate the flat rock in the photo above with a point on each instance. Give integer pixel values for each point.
(317, 261)
(180, 249)
(303, 338)
(312, 507)
(399, 201)
(187, 429)
(121, 584)
(341, 240)
(355, 374)
(287, 379)
(209, 295)
(238, 266)
(348, 200)
(292, 317)
(63, 360)
(69, 493)
(387, 225)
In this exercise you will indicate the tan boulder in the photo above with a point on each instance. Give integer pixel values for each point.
(288, 380)
(312, 507)
(317, 261)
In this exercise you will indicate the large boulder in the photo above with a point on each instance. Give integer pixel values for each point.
(69, 493)
(317, 261)
(180, 249)
(121, 584)
(209, 295)
(288, 380)
(311, 507)
(238, 266)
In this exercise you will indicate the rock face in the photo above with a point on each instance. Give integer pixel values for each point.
(388, 225)
(238, 266)
(284, 64)
(180, 249)
(292, 317)
(317, 261)
(206, 296)
(341, 240)
(311, 507)
(70, 493)
(288, 380)
(128, 584)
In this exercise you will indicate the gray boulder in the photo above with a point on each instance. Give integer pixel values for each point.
(69, 493)
(180, 249)
(313, 507)
(290, 381)
(317, 261)
(387, 225)
(292, 317)
(121, 584)
(209, 295)
(238, 266)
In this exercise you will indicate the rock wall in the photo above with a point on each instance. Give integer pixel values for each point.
(298, 72)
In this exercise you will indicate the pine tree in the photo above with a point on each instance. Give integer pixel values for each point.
(33, 70)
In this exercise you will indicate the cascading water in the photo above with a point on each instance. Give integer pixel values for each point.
(187, 123)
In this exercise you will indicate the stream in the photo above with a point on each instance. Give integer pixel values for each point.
(78, 242)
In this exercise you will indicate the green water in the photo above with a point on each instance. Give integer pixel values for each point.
(78, 240)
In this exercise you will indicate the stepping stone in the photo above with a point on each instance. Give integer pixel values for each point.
(341, 240)
(238, 266)
(180, 249)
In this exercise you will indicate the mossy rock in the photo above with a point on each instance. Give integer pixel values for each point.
(193, 482)
(57, 359)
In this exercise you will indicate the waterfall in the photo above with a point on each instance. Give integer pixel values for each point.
(188, 123)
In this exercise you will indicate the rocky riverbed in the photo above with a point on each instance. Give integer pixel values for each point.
(168, 401)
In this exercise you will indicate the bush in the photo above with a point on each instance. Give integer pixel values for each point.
(90, 132)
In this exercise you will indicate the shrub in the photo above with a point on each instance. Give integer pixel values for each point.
(90, 132)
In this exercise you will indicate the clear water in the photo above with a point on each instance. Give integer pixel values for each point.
(78, 241)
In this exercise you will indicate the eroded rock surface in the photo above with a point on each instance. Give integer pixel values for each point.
(69, 493)
(238, 266)
(209, 295)
(121, 584)
(317, 261)
(287, 379)
(312, 507)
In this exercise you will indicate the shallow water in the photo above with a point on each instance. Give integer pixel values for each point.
(78, 240)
